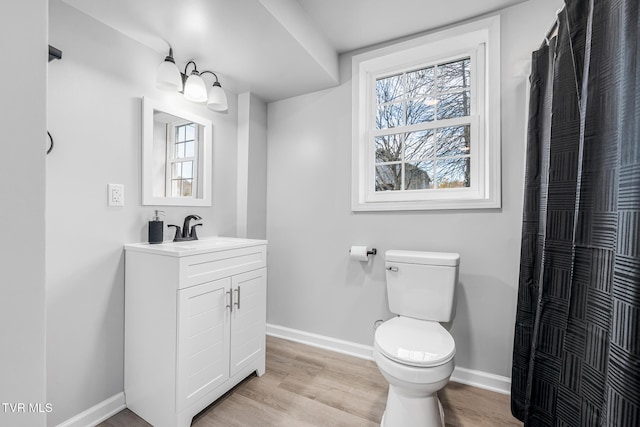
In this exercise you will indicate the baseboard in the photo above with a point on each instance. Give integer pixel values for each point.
(321, 341)
(97, 413)
(480, 379)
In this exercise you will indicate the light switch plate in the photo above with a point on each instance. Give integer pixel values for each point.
(115, 194)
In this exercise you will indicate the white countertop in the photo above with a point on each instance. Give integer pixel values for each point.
(194, 247)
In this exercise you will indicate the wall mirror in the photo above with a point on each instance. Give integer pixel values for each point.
(176, 156)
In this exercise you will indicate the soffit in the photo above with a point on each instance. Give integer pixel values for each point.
(353, 24)
(274, 48)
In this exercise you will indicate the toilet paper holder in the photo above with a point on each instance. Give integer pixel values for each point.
(371, 251)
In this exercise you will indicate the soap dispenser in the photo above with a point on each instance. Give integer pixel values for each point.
(156, 228)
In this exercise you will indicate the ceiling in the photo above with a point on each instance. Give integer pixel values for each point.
(353, 24)
(275, 48)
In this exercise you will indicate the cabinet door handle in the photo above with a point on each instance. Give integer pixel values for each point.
(230, 306)
(238, 302)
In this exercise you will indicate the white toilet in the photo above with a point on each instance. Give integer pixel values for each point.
(413, 351)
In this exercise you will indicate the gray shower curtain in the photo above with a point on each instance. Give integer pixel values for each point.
(576, 358)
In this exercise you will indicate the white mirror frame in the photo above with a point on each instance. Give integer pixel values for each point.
(148, 107)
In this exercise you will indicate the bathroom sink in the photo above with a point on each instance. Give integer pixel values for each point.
(194, 247)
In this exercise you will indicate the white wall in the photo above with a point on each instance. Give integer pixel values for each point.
(94, 114)
(23, 79)
(312, 285)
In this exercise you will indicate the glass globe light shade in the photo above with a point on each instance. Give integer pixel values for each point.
(195, 89)
(217, 98)
(168, 76)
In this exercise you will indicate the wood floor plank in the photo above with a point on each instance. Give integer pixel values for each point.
(310, 387)
(299, 408)
(239, 411)
(467, 406)
(352, 394)
(125, 418)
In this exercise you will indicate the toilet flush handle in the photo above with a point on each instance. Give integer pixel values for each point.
(392, 268)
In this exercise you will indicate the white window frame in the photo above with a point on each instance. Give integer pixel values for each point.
(479, 40)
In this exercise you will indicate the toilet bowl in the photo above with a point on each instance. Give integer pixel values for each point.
(413, 351)
(416, 358)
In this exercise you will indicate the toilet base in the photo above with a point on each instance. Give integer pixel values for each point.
(411, 411)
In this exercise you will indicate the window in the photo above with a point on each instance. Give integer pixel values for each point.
(426, 122)
(182, 159)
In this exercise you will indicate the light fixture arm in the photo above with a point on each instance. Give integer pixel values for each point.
(195, 68)
(211, 72)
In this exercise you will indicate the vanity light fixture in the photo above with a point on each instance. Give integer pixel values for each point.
(169, 77)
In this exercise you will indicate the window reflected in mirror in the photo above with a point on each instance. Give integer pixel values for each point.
(177, 144)
(176, 157)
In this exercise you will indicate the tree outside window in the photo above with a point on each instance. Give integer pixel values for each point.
(422, 141)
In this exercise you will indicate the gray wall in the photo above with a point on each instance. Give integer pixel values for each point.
(23, 79)
(312, 285)
(94, 113)
(257, 170)
(252, 166)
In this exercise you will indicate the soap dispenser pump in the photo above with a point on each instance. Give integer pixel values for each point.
(156, 228)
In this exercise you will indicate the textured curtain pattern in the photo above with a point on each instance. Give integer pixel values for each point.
(576, 355)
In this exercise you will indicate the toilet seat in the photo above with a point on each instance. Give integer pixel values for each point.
(414, 342)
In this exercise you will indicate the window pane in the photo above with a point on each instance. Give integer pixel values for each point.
(454, 75)
(190, 132)
(389, 116)
(388, 177)
(175, 188)
(179, 150)
(453, 173)
(189, 148)
(187, 169)
(186, 188)
(418, 175)
(181, 133)
(420, 110)
(454, 105)
(176, 170)
(454, 141)
(420, 82)
(389, 89)
(418, 145)
(387, 148)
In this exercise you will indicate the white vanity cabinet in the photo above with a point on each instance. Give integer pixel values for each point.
(195, 323)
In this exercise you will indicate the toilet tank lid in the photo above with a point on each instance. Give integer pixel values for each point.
(420, 257)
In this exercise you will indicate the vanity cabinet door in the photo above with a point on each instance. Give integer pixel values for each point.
(203, 340)
(248, 318)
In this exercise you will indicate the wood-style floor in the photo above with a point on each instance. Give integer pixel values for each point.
(306, 386)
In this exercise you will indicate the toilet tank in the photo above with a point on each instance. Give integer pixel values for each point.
(421, 284)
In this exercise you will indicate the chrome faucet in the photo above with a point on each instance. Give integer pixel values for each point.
(186, 233)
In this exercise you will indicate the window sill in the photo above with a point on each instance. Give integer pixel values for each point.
(426, 205)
